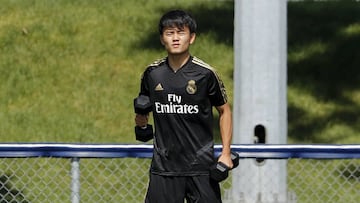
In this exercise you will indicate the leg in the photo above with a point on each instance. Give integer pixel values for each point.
(165, 189)
(202, 189)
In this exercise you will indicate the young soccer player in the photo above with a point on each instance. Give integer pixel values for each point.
(183, 90)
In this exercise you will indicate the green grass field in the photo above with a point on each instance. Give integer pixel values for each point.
(70, 69)
(323, 72)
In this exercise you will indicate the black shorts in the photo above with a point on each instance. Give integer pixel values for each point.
(175, 189)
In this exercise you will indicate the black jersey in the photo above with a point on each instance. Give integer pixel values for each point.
(182, 110)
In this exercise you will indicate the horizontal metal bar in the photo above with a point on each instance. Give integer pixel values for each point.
(267, 151)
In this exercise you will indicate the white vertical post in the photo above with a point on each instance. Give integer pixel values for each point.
(260, 104)
(75, 180)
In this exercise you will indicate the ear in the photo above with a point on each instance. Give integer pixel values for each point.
(192, 38)
(161, 40)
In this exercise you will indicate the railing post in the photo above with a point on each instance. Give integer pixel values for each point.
(75, 180)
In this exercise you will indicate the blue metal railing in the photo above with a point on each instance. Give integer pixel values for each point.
(77, 151)
(268, 151)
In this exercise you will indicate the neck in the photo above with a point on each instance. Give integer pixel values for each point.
(177, 61)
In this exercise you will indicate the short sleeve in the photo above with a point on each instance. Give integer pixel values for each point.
(217, 91)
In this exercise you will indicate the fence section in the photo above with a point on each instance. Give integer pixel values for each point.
(40, 173)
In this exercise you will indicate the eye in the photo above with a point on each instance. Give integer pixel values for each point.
(169, 33)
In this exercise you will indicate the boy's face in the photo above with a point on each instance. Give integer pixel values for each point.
(177, 40)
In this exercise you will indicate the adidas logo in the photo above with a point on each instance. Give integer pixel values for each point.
(159, 87)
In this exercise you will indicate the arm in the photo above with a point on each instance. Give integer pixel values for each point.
(142, 120)
(225, 119)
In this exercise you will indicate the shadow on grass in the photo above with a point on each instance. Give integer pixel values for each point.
(217, 20)
(351, 172)
(8, 193)
(327, 34)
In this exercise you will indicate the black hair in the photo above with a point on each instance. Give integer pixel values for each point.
(177, 18)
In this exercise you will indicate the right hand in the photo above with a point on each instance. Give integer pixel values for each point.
(141, 120)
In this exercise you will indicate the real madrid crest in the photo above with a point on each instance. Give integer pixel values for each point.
(191, 87)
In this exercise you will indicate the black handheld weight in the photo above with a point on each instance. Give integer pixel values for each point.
(220, 171)
(142, 105)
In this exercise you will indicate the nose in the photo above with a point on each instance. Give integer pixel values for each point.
(176, 37)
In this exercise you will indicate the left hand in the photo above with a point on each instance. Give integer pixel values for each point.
(226, 159)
